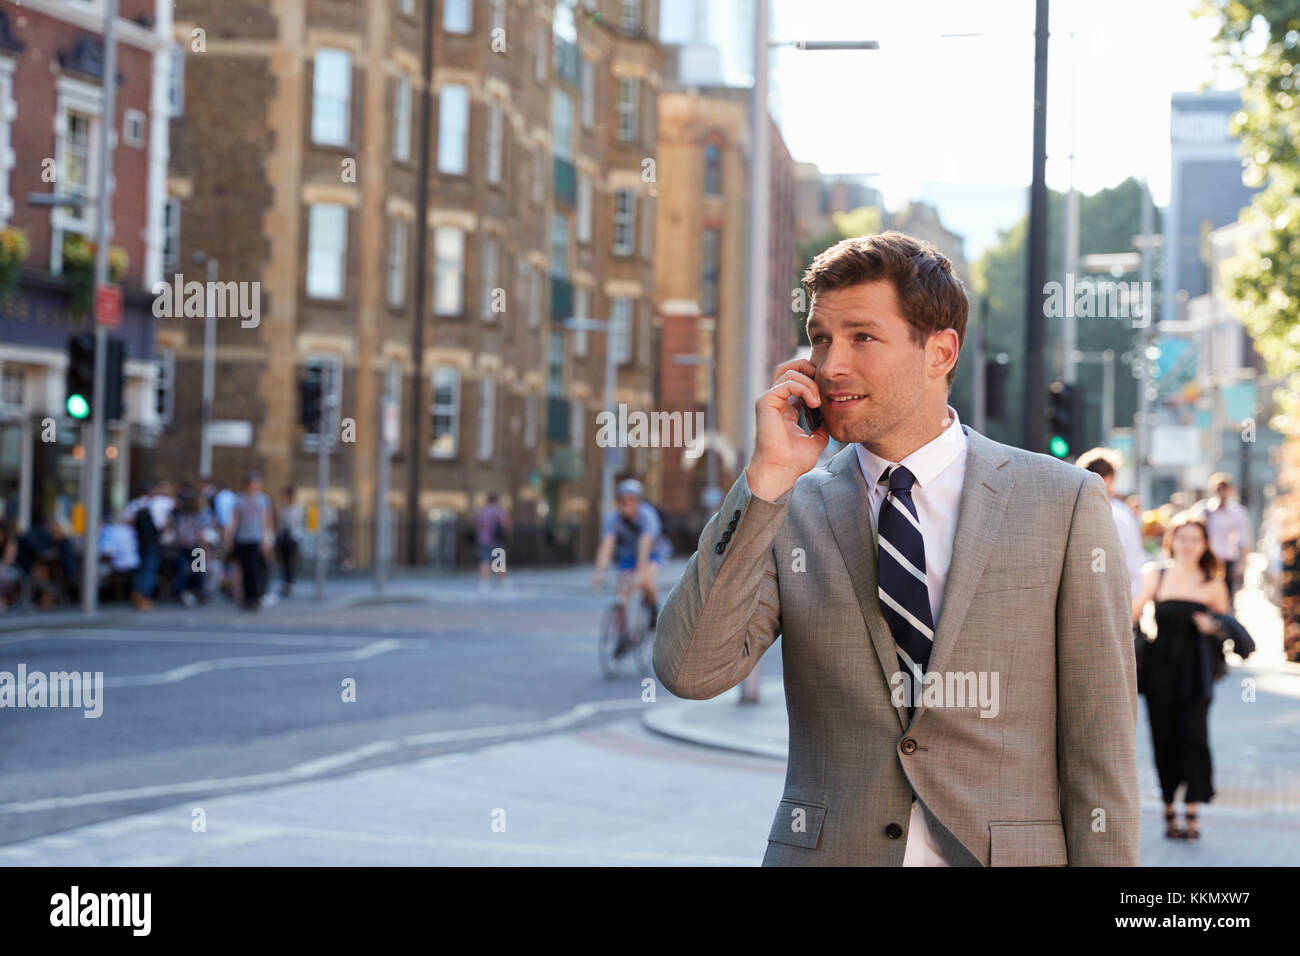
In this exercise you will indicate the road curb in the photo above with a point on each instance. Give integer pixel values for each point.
(689, 720)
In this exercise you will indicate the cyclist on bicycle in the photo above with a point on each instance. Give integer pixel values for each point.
(631, 535)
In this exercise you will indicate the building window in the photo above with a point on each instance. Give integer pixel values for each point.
(542, 52)
(530, 420)
(176, 82)
(133, 128)
(171, 253)
(647, 228)
(712, 171)
(11, 388)
(577, 421)
(584, 209)
(164, 395)
(453, 129)
(77, 155)
(588, 85)
(624, 222)
(327, 250)
(539, 177)
(620, 336)
(331, 97)
(402, 119)
(397, 262)
(446, 411)
(710, 240)
(559, 246)
(449, 271)
(629, 15)
(534, 296)
(457, 15)
(562, 124)
(555, 372)
(8, 113)
(629, 108)
(581, 307)
(486, 415)
(489, 277)
(494, 143)
(328, 368)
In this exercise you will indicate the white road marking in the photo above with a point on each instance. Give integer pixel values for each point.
(320, 765)
(195, 668)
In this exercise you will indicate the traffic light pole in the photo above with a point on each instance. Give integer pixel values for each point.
(92, 461)
(322, 484)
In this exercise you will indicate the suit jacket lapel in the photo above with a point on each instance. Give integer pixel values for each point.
(984, 496)
(846, 499)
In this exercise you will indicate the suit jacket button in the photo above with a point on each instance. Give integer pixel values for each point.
(719, 549)
(726, 536)
(731, 525)
(736, 513)
(893, 831)
(908, 746)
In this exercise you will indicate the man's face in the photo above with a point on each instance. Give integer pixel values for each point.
(1224, 491)
(628, 505)
(871, 374)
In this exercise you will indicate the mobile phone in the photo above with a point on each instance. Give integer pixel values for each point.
(810, 419)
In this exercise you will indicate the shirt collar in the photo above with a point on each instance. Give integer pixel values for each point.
(926, 463)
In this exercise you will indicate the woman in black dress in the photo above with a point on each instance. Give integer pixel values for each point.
(1180, 664)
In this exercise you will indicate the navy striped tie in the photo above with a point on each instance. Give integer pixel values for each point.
(904, 596)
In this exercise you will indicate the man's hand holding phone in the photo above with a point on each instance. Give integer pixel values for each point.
(782, 449)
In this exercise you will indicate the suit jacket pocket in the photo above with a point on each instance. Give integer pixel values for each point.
(1012, 579)
(1032, 843)
(798, 823)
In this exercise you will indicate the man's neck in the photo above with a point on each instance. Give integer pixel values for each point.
(896, 448)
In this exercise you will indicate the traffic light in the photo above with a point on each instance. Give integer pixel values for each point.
(80, 378)
(310, 392)
(1064, 419)
(996, 372)
(114, 379)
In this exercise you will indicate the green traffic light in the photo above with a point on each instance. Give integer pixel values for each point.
(78, 407)
(1059, 446)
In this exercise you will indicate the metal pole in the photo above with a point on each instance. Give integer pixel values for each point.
(381, 499)
(611, 382)
(322, 483)
(1142, 433)
(755, 334)
(1035, 394)
(209, 372)
(1069, 325)
(759, 210)
(92, 463)
(1107, 396)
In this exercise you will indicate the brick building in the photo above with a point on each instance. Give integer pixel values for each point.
(297, 164)
(51, 110)
(701, 286)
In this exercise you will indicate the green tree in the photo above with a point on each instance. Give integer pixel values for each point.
(1263, 279)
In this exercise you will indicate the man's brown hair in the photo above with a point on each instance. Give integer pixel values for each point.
(930, 294)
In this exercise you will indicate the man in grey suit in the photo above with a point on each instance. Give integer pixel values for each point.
(1006, 734)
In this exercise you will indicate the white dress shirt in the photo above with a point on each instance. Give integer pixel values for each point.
(939, 467)
(1130, 539)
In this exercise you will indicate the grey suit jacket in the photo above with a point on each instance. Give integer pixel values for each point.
(1037, 594)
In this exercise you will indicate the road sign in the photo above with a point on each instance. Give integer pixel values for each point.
(230, 433)
(108, 306)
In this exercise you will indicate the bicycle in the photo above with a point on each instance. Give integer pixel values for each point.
(625, 632)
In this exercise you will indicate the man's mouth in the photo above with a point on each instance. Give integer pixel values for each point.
(843, 401)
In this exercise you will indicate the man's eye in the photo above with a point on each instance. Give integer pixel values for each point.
(864, 335)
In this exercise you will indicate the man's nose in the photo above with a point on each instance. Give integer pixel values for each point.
(835, 364)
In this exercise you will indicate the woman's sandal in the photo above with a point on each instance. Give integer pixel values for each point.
(1172, 830)
(1193, 830)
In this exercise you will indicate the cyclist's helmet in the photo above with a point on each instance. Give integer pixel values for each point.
(630, 486)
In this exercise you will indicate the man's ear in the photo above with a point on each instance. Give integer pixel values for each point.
(942, 349)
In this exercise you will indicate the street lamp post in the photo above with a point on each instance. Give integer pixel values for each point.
(760, 172)
(209, 365)
(580, 323)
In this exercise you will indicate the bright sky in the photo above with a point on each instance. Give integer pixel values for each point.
(927, 112)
